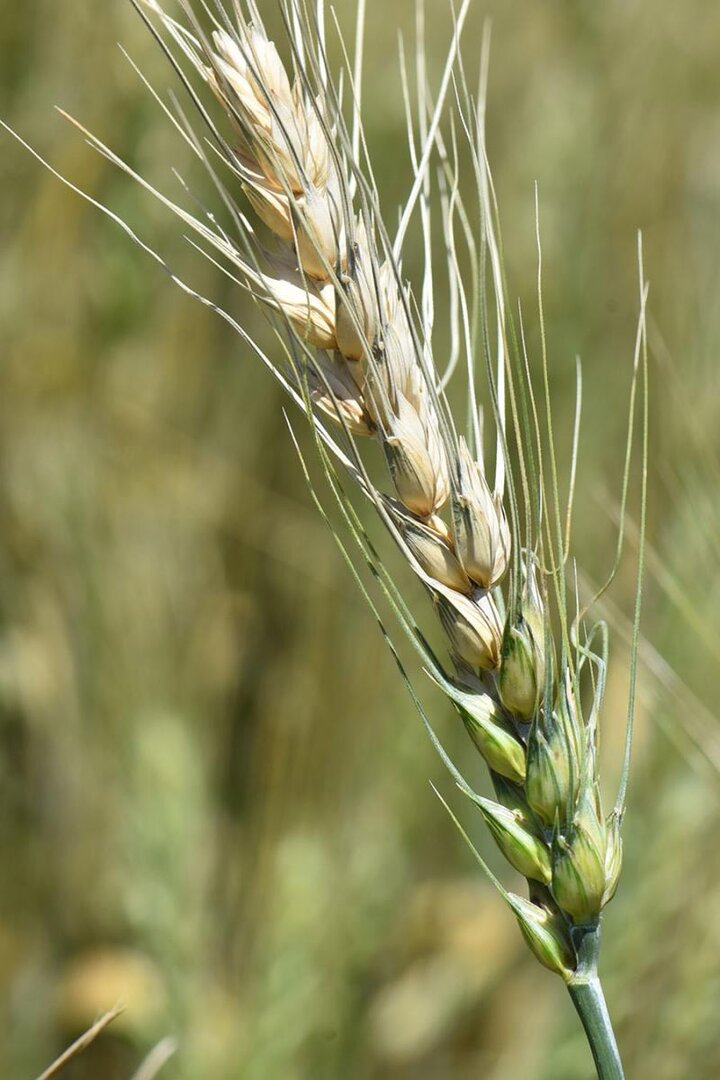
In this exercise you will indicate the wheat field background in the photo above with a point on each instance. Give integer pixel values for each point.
(214, 797)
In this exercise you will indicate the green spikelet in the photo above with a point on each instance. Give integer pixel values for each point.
(613, 858)
(512, 796)
(521, 678)
(521, 672)
(545, 934)
(523, 848)
(492, 735)
(553, 769)
(578, 873)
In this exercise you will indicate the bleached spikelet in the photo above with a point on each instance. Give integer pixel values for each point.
(394, 371)
(276, 126)
(482, 536)
(417, 459)
(310, 308)
(284, 158)
(334, 390)
(318, 231)
(472, 626)
(430, 544)
(357, 308)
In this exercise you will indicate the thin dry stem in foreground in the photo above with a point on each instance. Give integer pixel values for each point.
(81, 1043)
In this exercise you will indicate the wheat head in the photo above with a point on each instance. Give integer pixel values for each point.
(284, 144)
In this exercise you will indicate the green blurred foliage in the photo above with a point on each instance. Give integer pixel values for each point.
(214, 798)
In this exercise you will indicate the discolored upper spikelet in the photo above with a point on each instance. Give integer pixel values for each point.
(310, 309)
(357, 308)
(432, 548)
(334, 390)
(281, 133)
(417, 460)
(482, 535)
(473, 627)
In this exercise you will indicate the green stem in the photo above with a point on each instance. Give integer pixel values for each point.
(587, 996)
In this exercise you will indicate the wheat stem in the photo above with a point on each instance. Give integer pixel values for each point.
(587, 996)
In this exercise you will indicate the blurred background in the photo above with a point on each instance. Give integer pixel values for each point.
(214, 796)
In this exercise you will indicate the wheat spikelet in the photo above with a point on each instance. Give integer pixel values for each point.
(359, 353)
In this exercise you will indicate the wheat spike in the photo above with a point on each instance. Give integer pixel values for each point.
(359, 354)
(365, 360)
(343, 295)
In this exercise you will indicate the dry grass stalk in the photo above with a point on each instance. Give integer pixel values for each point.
(81, 1044)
